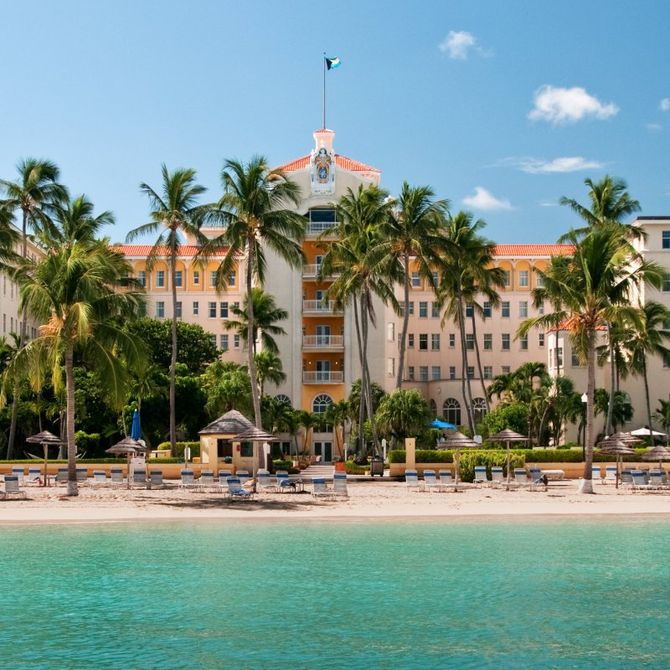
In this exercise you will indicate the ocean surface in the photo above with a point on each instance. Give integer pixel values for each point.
(386, 594)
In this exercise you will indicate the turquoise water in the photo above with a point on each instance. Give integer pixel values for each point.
(337, 595)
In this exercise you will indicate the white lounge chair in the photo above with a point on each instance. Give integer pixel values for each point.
(284, 483)
(412, 480)
(99, 477)
(206, 481)
(116, 476)
(12, 487)
(187, 479)
(156, 479)
(480, 475)
(610, 474)
(340, 484)
(497, 476)
(446, 480)
(243, 476)
(537, 480)
(657, 479)
(61, 476)
(430, 481)
(19, 473)
(596, 474)
(320, 490)
(520, 476)
(237, 491)
(264, 482)
(34, 476)
(640, 482)
(139, 478)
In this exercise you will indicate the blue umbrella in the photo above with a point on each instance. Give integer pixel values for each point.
(443, 425)
(135, 428)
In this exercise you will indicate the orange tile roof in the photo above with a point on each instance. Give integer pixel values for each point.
(533, 249)
(341, 161)
(143, 250)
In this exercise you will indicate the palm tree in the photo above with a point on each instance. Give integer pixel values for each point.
(81, 294)
(414, 233)
(663, 415)
(266, 315)
(268, 368)
(255, 210)
(337, 416)
(176, 213)
(595, 284)
(403, 413)
(361, 217)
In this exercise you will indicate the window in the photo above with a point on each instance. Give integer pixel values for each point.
(540, 309)
(478, 409)
(540, 340)
(666, 239)
(435, 342)
(488, 341)
(416, 280)
(504, 308)
(411, 308)
(224, 342)
(410, 340)
(236, 341)
(469, 341)
(423, 309)
(523, 343)
(410, 373)
(160, 309)
(452, 340)
(435, 310)
(212, 310)
(177, 309)
(452, 372)
(505, 370)
(423, 341)
(142, 278)
(196, 277)
(390, 332)
(523, 309)
(223, 310)
(160, 278)
(559, 357)
(523, 278)
(539, 280)
(390, 367)
(212, 339)
(246, 449)
(320, 220)
(452, 411)
(505, 341)
(177, 278)
(212, 278)
(321, 403)
(435, 372)
(231, 278)
(666, 283)
(423, 373)
(506, 278)
(469, 309)
(471, 371)
(575, 362)
(282, 398)
(436, 278)
(487, 309)
(196, 308)
(488, 372)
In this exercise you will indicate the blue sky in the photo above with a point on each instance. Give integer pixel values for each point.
(501, 107)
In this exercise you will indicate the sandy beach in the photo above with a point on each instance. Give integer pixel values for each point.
(380, 500)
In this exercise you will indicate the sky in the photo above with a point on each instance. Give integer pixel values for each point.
(501, 107)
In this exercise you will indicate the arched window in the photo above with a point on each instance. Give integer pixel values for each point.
(451, 409)
(433, 408)
(478, 409)
(280, 397)
(321, 403)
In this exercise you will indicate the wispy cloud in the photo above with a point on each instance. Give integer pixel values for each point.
(665, 105)
(459, 44)
(542, 166)
(654, 127)
(568, 105)
(485, 200)
(546, 203)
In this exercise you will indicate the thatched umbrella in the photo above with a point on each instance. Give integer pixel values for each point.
(128, 447)
(616, 448)
(457, 441)
(254, 434)
(45, 438)
(658, 453)
(507, 436)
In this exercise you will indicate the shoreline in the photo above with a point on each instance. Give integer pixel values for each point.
(379, 501)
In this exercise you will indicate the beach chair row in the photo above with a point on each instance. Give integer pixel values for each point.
(443, 480)
(634, 479)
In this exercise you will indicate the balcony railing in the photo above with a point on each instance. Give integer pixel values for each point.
(322, 342)
(315, 228)
(319, 307)
(311, 270)
(322, 377)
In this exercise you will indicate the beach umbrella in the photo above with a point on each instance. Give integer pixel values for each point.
(254, 434)
(658, 453)
(507, 436)
(136, 428)
(618, 449)
(646, 432)
(128, 447)
(457, 441)
(442, 425)
(45, 438)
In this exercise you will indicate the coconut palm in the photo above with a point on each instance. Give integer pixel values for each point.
(414, 233)
(402, 414)
(256, 209)
(595, 284)
(337, 416)
(268, 368)
(80, 293)
(663, 415)
(266, 315)
(177, 215)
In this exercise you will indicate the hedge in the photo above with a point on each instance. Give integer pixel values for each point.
(352, 468)
(179, 452)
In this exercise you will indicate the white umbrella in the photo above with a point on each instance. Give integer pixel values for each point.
(645, 432)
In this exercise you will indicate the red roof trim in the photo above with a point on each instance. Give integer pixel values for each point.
(341, 161)
(533, 249)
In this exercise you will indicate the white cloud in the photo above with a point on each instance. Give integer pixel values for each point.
(665, 105)
(568, 105)
(548, 204)
(483, 199)
(562, 164)
(457, 44)
(654, 127)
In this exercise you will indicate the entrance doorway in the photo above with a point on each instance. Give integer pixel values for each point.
(325, 450)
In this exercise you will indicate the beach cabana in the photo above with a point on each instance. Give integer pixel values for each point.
(45, 438)
(221, 446)
(507, 436)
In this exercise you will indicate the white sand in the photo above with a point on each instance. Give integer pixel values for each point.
(366, 500)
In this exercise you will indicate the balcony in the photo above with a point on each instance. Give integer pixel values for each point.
(323, 342)
(322, 377)
(319, 307)
(311, 271)
(316, 228)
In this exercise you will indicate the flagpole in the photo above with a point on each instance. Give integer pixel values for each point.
(324, 90)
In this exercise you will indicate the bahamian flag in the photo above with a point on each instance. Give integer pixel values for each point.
(332, 63)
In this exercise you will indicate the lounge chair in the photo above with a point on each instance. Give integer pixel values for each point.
(537, 480)
(116, 476)
(139, 478)
(430, 481)
(596, 474)
(187, 479)
(626, 478)
(340, 484)
(639, 482)
(520, 476)
(480, 475)
(206, 481)
(264, 481)
(156, 479)
(412, 480)
(284, 483)
(223, 480)
(237, 491)
(657, 479)
(320, 490)
(19, 473)
(610, 474)
(61, 476)
(99, 477)
(497, 475)
(12, 487)
(82, 474)
(446, 480)
(34, 476)
(243, 476)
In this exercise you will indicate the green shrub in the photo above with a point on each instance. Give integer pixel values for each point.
(179, 453)
(87, 443)
(281, 464)
(489, 458)
(355, 469)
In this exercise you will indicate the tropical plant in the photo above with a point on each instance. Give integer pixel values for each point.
(256, 211)
(663, 415)
(338, 415)
(177, 214)
(402, 414)
(268, 369)
(227, 386)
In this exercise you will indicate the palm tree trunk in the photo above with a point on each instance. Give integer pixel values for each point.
(361, 404)
(646, 397)
(558, 359)
(368, 383)
(173, 355)
(405, 325)
(465, 382)
(72, 489)
(587, 486)
(610, 404)
(479, 362)
(255, 397)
